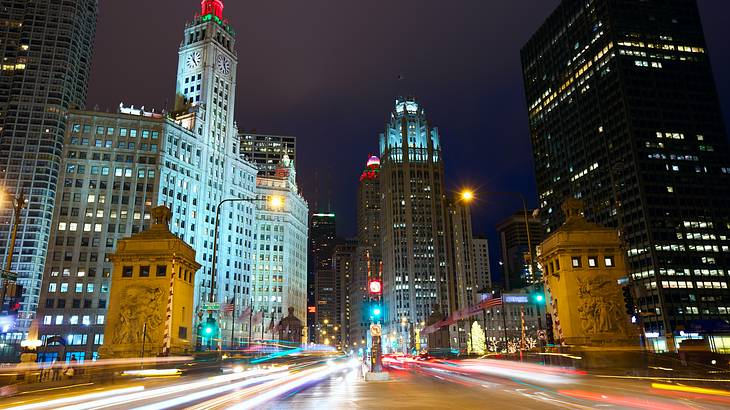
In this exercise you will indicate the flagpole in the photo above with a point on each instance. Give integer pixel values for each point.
(233, 322)
(250, 324)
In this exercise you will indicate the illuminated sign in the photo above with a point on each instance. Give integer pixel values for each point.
(311, 309)
(651, 335)
(515, 298)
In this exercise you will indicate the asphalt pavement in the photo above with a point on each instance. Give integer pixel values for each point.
(338, 384)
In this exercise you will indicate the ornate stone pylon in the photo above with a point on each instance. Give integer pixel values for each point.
(582, 263)
(151, 295)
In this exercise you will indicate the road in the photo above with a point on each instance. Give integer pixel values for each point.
(338, 384)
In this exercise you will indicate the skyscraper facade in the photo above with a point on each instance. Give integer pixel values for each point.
(461, 272)
(413, 224)
(368, 254)
(38, 86)
(514, 246)
(482, 270)
(624, 114)
(279, 276)
(322, 241)
(344, 260)
(266, 150)
(115, 167)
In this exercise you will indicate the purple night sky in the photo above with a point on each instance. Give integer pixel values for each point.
(327, 72)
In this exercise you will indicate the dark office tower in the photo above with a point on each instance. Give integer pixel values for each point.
(266, 151)
(322, 241)
(343, 264)
(514, 246)
(624, 114)
(45, 59)
(368, 250)
(413, 219)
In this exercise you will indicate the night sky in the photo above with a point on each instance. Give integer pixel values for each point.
(327, 71)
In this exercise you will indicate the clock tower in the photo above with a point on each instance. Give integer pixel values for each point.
(206, 75)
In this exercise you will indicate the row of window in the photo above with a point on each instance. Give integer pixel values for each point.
(123, 132)
(63, 287)
(73, 320)
(75, 304)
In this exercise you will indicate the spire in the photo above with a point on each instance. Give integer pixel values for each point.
(214, 7)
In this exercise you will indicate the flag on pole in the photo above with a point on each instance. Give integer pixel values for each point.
(258, 318)
(245, 314)
(228, 307)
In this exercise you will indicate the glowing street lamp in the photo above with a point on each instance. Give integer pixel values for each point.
(276, 202)
(467, 195)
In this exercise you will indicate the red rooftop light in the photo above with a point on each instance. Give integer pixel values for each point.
(214, 7)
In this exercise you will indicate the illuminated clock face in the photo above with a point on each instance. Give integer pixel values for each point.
(193, 60)
(223, 64)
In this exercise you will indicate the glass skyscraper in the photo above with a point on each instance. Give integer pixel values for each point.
(45, 59)
(624, 114)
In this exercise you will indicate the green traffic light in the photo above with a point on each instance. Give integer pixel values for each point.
(208, 330)
(539, 298)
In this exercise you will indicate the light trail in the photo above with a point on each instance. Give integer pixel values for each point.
(66, 400)
(302, 379)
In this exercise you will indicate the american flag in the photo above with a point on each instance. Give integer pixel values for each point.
(228, 307)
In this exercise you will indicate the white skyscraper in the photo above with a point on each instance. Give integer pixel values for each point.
(279, 278)
(116, 167)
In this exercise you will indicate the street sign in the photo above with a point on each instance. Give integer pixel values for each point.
(542, 335)
(8, 275)
(515, 298)
(211, 306)
(376, 330)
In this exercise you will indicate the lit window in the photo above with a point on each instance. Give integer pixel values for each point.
(59, 319)
(592, 261)
(64, 287)
(608, 260)
(86, 320)
(73, 320)
(47, 320)
(576, 261)
(100, 319)
(62, 226)
(670, 189)
(79, 287)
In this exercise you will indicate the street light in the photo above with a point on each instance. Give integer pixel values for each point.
(274, 201)
(468, 195)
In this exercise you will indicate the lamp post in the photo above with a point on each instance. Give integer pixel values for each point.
(275, 202)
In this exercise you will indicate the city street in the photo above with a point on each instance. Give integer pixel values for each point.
(338, 384)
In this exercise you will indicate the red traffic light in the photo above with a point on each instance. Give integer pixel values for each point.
(376, 287)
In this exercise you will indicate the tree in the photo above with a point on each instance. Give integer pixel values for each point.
(478, 340)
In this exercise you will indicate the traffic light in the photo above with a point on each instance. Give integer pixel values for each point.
(375, 311)
(375, 287)
(15, 299)
(538, 297)
(210, 328)
(629, 300)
